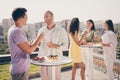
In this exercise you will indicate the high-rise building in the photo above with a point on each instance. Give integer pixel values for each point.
(1, 34)
(1, 30)
(6, 24)
(30, 31)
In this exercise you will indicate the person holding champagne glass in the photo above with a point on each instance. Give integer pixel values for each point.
(19, 47)
(109, 43)
(55, 37)
(74, 49)
(87, 52)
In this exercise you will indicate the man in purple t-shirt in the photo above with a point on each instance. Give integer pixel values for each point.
(19, 46)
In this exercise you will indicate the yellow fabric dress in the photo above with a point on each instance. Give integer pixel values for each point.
(74, 51)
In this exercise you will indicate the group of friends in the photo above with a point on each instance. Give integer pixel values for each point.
(52, 37)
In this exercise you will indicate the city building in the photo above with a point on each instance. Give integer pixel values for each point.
(1, 34)
(6, 24)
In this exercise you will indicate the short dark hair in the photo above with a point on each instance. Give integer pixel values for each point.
(110, 25)
(93, 25)
(18, 13)
(50, 12)
(74, 26)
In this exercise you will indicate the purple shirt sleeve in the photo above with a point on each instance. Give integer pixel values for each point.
(19, 36)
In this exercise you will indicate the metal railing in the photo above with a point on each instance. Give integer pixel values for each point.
(100, 65)
(98, 62)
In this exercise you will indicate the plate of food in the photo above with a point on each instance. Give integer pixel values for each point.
(40, 59)
(53, 57)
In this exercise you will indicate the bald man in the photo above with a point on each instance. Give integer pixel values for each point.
(55, 37)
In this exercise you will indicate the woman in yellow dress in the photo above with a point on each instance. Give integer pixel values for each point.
(74, 49)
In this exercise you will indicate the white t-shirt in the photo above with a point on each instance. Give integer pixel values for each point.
(56, 35)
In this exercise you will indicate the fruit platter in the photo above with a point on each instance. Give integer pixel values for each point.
(40, 59)
(46, 58)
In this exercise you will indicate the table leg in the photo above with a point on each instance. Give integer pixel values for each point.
(89, 63)
(51, 73)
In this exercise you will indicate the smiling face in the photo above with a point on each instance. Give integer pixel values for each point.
(23, 20)
(105, 26)
(89, 25)
(48, 18)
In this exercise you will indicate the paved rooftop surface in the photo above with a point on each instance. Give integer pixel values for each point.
(66, 75)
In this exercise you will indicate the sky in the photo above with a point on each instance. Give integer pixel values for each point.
(64, 9)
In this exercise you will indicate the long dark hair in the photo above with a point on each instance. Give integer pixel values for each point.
(74, 26)
(110, 25)
(93, 25)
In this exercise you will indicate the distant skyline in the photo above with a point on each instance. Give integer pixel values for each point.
(98, 10)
